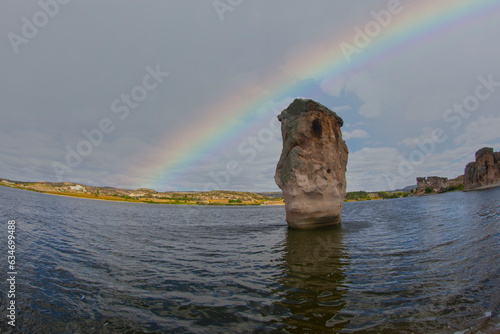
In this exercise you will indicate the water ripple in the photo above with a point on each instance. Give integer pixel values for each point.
(409, 265)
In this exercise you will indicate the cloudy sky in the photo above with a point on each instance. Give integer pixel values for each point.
(183, 95)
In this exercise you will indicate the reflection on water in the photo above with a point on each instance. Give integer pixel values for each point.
(312, 281)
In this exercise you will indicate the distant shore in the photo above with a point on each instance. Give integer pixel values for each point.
(207, 198)
(210, 198)
(489, 186)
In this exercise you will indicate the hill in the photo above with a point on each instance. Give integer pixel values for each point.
(216, 197)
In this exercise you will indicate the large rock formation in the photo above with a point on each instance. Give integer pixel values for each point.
(484, 172)
(438, 184)
(312, 166)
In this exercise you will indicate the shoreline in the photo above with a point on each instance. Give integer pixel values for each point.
(489, 186)
(112, 199)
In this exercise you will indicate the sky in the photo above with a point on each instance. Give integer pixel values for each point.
(183, 95)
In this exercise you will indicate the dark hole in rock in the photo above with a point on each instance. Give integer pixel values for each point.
(316, 128)
(328, 170)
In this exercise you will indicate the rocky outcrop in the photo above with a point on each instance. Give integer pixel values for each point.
(312, 166)
(438, 184)
(484, 172)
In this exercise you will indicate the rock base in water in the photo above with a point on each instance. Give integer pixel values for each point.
(484, 172)
(312, 166)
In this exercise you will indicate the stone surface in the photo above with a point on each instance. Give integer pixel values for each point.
(312, 166)
(437, 184)
(484, 172)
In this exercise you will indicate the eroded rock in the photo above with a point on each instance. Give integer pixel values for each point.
(312, 166)
(484, 172)
(438, 184)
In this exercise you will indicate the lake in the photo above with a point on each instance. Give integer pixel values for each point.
(423, 264)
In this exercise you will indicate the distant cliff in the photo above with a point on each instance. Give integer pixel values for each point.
(436, 184)
(484, 172)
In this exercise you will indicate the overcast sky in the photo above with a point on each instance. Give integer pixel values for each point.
(149, 76)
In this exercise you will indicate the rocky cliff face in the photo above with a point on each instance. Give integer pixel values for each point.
(312, 166)
(437, 184)
(484, 172)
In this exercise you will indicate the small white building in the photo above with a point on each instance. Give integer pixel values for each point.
(78, 188)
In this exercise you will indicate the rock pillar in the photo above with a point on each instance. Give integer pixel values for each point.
(312, 166)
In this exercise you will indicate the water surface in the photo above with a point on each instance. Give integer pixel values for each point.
(423, 265)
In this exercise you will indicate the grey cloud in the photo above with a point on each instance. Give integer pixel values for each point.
(65, 79)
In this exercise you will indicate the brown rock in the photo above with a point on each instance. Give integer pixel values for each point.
(436, 183)
(312, 166)
(484, 172)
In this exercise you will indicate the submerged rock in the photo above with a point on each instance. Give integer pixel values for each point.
(312, 166)
(484, 172)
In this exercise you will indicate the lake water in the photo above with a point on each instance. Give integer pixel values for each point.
(424, 265)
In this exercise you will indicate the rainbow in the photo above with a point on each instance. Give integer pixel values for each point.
(223, 124)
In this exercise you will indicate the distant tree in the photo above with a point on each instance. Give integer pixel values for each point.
(454, 188)
(357, 195)
(383, 194)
